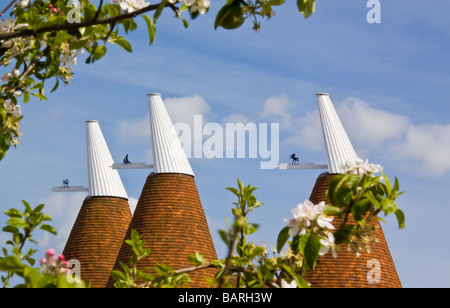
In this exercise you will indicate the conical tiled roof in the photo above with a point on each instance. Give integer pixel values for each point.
(104, 217)
(347, 270)
(169, 215)
(170, 218)
(97, 236)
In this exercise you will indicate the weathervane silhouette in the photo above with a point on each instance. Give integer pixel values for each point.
(125, 160)
(294, 158)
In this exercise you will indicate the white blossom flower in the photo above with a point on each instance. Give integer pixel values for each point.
(324, 221)
(328, 243)
(360, 167)
(130, 6)
(292, 284)
(307, 210)
(9, 106)
(195, 5)
(17, 111)
(294, 227)
(23, 3)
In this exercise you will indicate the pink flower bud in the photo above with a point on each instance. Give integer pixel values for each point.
(60, 258)
(43, 261)
(50, 253)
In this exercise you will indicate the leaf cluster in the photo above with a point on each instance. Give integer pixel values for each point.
(22, 225)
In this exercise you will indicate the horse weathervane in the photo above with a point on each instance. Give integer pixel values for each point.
(294, 158)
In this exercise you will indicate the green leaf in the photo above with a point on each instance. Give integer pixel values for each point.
(301, 282)
(283, 237)
(26, 96)
(13, 213)
(230, 16)
(400, 218)
(331, 210)
(311, 249)
(388, 185)
(11, 263)
(39, 208)
(99, 52)
(388, 206)
(117, 275)
(160, 9)
(224, 236)
(38, 95)
(369, 195)
(276, 2)
(18, 222)
(48, 228)
(56, 86)
(62, 37)
(359, 208)
(122, 43)
(151, 28)
(306, 7)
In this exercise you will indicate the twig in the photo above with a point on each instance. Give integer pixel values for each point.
(15, 55)
(176, 272)
(6, 8)
(98, 10)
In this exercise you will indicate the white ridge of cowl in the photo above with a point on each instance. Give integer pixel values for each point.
(103, 179)
(337, 144)
(168, 153)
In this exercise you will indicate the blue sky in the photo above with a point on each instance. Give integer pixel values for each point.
(388, 82)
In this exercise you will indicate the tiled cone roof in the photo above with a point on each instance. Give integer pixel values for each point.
(347, 270)
(170, 218)
(103, 219)
(169, 215)
(97, 236)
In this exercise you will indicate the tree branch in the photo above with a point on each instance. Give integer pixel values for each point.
(74, 26)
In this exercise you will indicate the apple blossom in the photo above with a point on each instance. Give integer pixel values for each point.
(328, 243)
(288, 285)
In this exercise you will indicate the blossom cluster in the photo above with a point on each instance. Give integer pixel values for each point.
(15, 44)
(54, 265)
(10, 124)
(200, 6)
(360, 167)
(311, 217)
(130, 6)
(11, 108)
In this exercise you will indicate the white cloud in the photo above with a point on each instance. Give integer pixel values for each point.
(307, 133)
(134, 131)
(370, 127)
(183, 109)
(236, 118)
(425, 147)
(276, 107)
